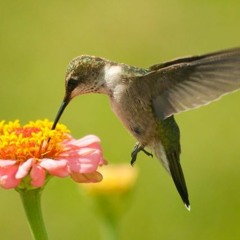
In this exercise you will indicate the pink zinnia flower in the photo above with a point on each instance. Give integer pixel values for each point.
(30, 154)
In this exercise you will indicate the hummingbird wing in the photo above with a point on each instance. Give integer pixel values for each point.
(189, 83)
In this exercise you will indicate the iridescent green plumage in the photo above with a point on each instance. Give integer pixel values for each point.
(169, 135)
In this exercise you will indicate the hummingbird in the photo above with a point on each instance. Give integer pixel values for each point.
(146, 99)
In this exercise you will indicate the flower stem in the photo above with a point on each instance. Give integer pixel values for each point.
(109, 229)
(31, 200)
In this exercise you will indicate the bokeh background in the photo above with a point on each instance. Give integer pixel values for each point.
(39, 38)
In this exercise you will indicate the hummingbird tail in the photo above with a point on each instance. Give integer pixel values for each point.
(178, 177)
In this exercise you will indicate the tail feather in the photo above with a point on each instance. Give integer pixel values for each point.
(171, 162)
(178, 177)
(168, 151)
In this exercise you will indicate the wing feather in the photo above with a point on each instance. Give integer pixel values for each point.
(189, 83)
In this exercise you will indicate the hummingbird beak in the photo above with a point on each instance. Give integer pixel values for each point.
(64, 104)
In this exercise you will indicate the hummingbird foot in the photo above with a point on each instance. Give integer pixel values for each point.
(146, 152)
(137, 148)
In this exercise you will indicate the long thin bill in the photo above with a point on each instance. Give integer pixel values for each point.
(59, 113)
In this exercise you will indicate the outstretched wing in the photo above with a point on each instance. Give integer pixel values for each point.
(189, 83)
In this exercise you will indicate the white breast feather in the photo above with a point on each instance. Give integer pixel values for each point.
(112, 75)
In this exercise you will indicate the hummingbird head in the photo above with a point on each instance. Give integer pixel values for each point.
(84, 75)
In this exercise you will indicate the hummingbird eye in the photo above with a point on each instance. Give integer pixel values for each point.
(71, 84)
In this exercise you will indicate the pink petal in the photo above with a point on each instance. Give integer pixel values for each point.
(87, 177)
(83, 142)
(7, 163)
(55, 167)
(24, 169)
(94, 158)
(37, 175)
(85, 164)
(83, 157)
(7, 177)
(85, 151)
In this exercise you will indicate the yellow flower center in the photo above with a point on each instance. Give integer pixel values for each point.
(33, 140)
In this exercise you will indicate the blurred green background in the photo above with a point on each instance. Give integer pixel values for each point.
(39, 38)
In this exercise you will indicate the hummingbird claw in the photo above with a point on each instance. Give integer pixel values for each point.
(133, 160)
(147, 153)
(134, 154)
(137, 148)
